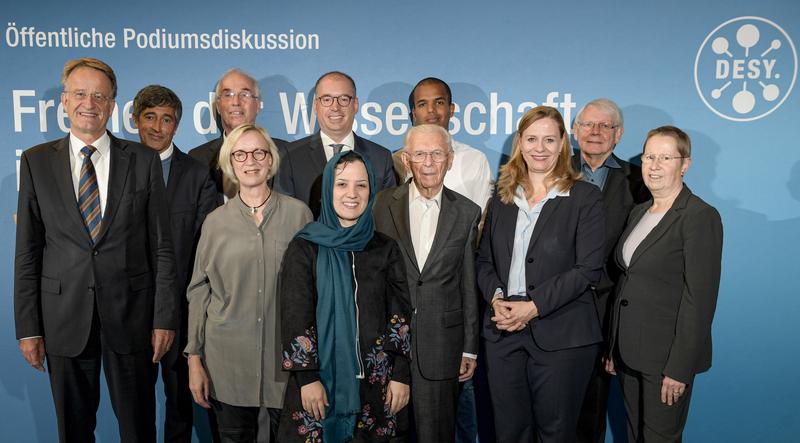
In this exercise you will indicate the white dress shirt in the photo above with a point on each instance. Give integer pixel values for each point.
(423, 215)
(101, 159)
(349, 143)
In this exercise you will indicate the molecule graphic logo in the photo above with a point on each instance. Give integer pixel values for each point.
(745, 68)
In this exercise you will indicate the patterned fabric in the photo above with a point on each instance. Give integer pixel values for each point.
(303, 351)
(384, 345)
(89, 194)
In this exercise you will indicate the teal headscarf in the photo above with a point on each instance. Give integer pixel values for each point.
(336, 319)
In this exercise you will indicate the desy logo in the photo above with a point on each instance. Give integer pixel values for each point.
(745, 68)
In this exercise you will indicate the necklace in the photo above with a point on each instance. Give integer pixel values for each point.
(254, 208)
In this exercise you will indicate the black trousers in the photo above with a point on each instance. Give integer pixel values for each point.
(650, 420)
(75, 383)
(434, 404)
(239, 424)
(592, 418)
(178, 404)
(536, 394)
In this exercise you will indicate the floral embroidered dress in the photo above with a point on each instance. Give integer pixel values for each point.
(383, 316)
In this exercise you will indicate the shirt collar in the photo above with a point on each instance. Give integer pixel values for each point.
(102, 144)
(414, 195)
(349, 141)
(522, 202)
(610, 162)
(167, 152)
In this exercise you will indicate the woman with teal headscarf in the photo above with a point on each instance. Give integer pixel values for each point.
(345, 316)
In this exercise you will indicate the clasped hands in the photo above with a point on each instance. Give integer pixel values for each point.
(513, 316)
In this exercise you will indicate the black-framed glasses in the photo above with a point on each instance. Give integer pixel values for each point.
(649, 158)
(327, 100)
(241, 156)
(420, 156)
(603, 126)
(244, 96)
(81, 95)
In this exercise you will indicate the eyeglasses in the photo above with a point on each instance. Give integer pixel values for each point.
(241, 156)
(649, 158)
(327, 100)
(603, 126)
(436, 156)
(244, 96)
(82, 95)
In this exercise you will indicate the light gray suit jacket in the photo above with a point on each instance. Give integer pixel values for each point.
(444, 293)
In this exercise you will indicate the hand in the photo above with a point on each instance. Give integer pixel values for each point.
(314, 399)
(467, 369)
(162, 341)
(671, 390)
(513, 315)
(33, 351)
(397, 395)
(609, 363)
(198, 381)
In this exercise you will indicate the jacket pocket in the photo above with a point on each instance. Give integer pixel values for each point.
(452, 318)
(51, 285)
(141, 281)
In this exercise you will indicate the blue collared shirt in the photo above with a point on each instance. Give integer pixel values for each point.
(598, 177)
(526, 221)
(166, 162)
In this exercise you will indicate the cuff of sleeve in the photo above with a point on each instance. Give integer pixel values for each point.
(306, 377)
(468, 355)
(401, 371)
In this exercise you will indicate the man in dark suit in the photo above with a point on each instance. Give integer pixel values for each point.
(237, 101)
(598, 128)
(436, 229)
(94, 276)
(302, 161)
(191, 195)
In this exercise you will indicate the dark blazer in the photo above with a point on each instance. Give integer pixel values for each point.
(564, 259)
(667, 296)
(208, 154)
(443, 293)
(191, 195)
(59, 273)
(623, 190)
(302, 162)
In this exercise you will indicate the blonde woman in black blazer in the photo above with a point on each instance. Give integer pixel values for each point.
(542, 332)
(670, 254)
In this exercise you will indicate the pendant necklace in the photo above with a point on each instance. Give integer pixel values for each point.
(253, 209)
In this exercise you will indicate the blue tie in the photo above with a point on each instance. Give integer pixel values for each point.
(89, 194)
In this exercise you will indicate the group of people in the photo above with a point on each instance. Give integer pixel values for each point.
(328, 290)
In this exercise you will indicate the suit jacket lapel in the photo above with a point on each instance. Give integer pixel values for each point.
(399, 211)
(548, 210)
(672, 215)
(317, 152)
(62, 173)
(447, 215)
(509, 214)
(636, 214)
(176, 169)
(117, 176)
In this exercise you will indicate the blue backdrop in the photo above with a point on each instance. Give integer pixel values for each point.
(724, 71)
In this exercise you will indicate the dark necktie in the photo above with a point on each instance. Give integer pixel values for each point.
(89, 194)
(337, 147)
